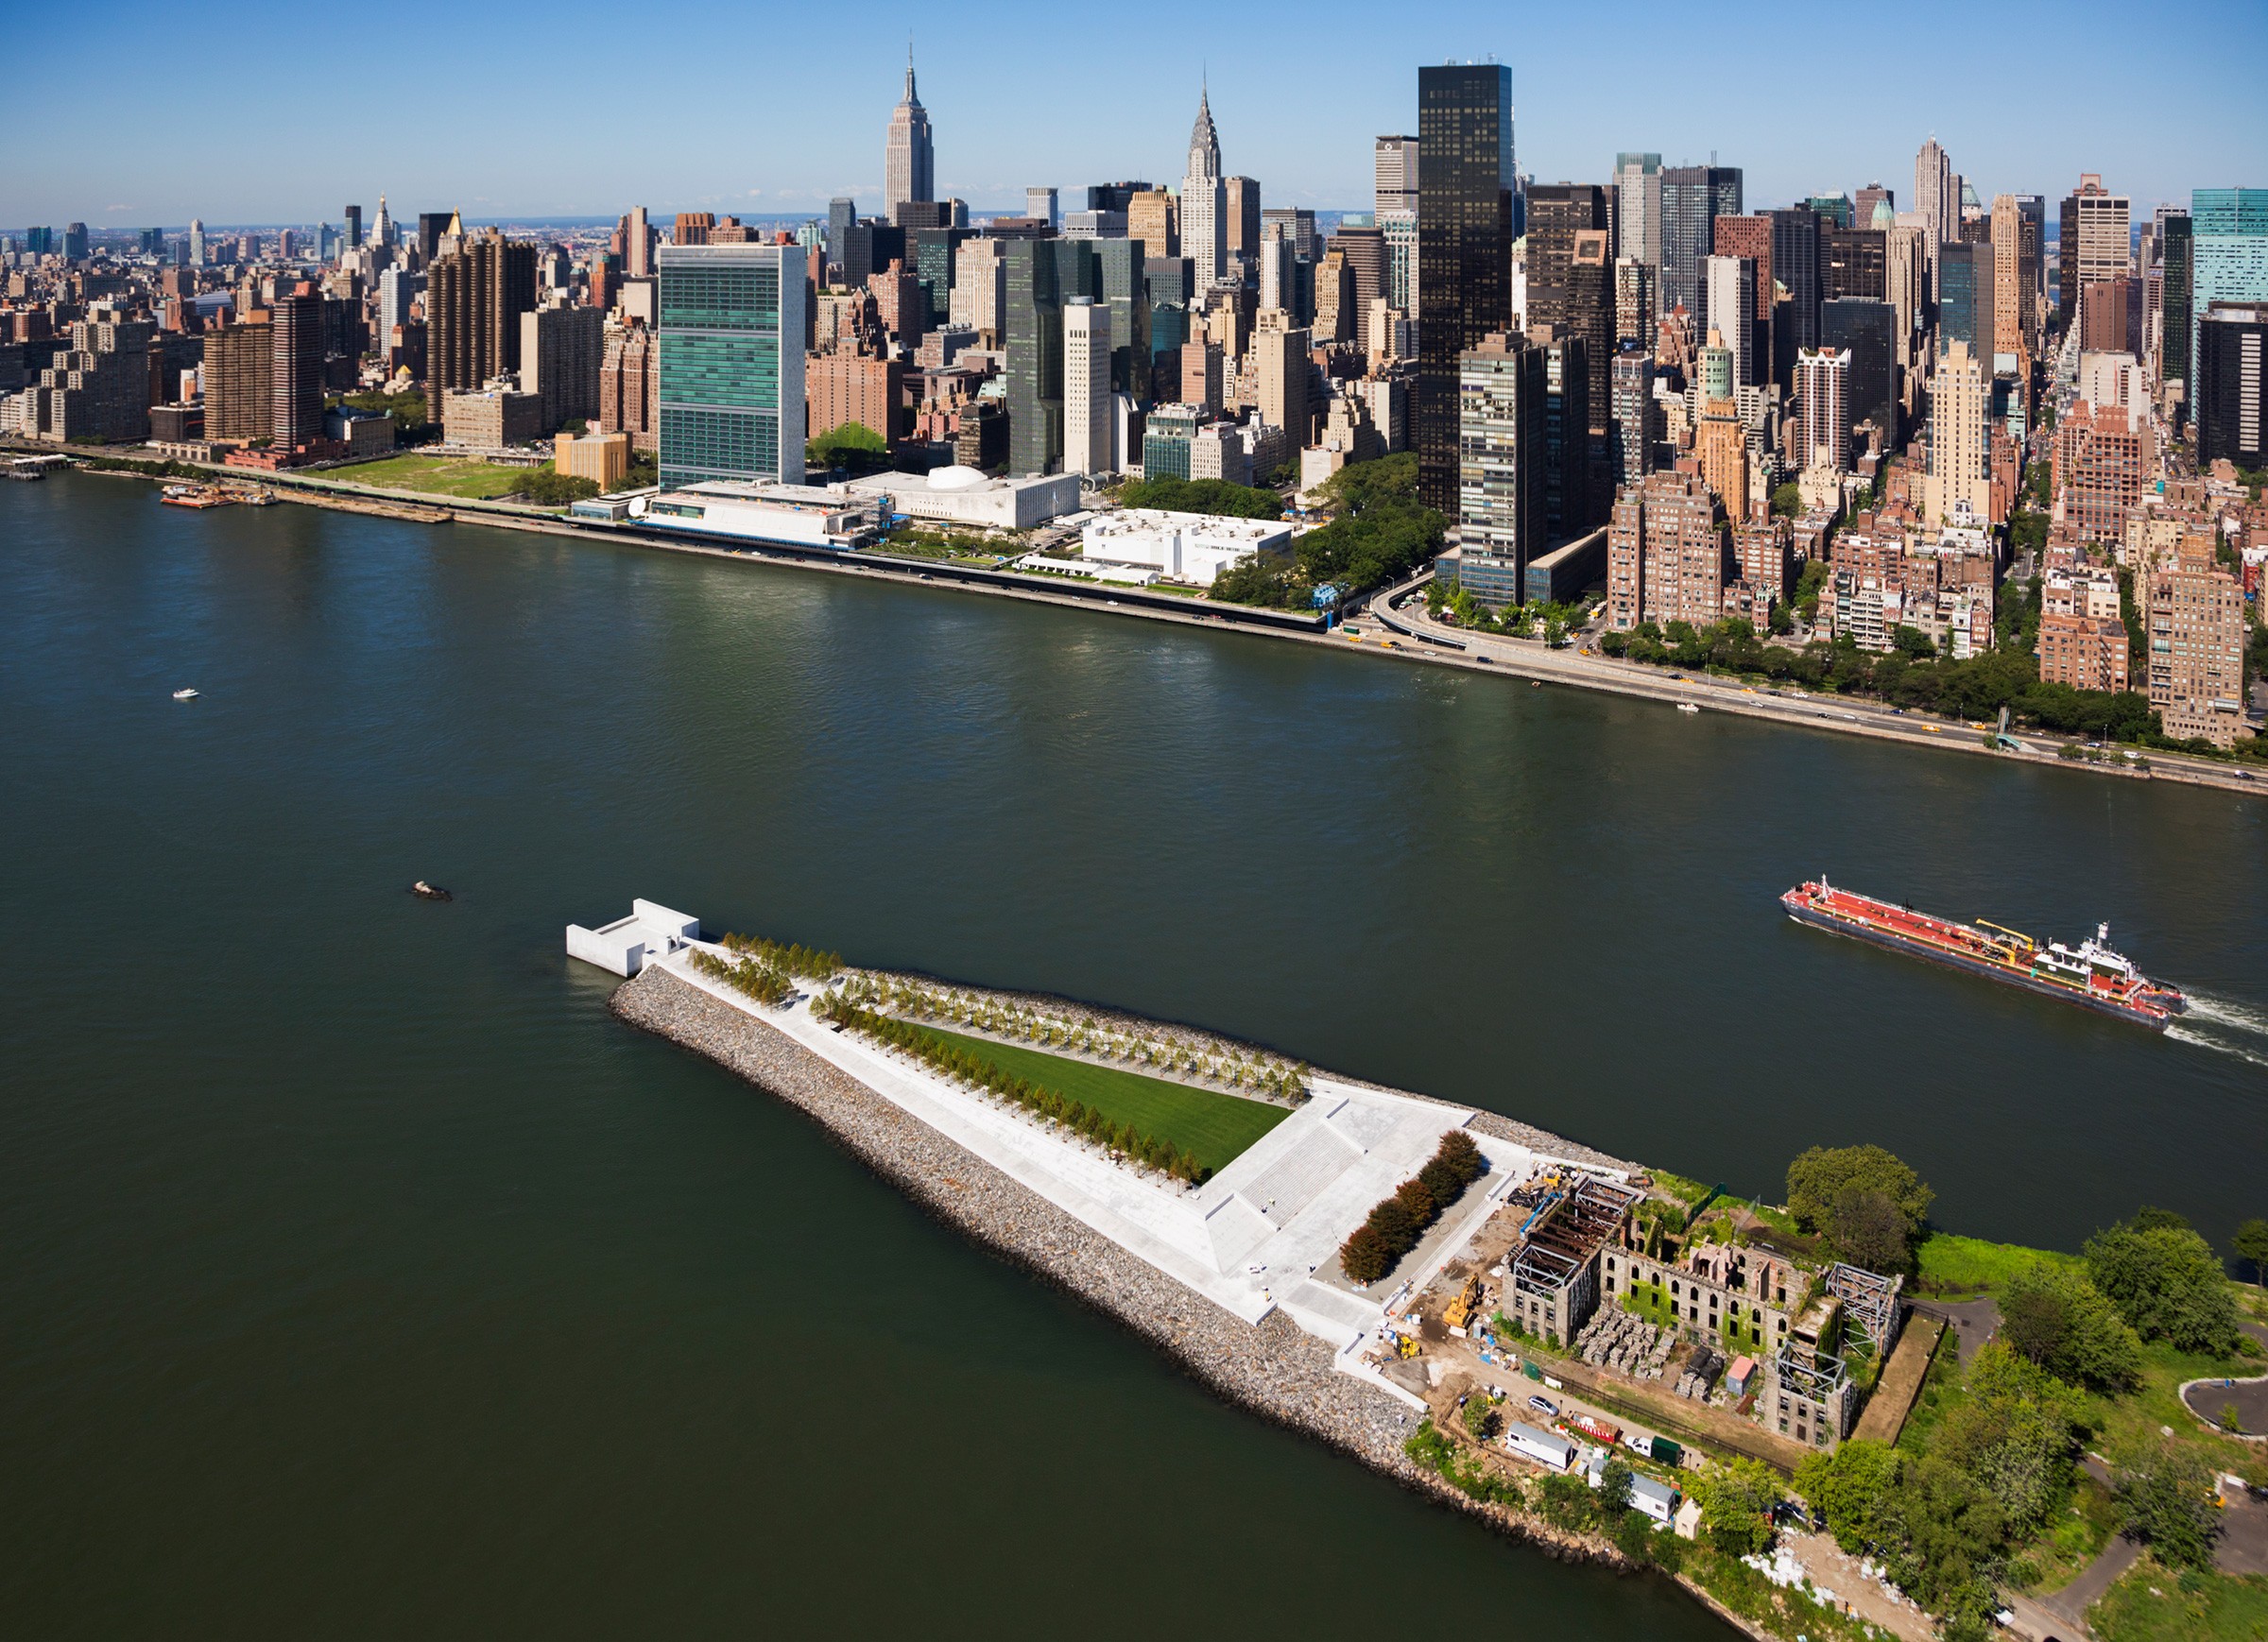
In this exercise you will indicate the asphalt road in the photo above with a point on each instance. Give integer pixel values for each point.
(1402, 610)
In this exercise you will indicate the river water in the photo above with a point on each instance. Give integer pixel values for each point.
(363, 1277)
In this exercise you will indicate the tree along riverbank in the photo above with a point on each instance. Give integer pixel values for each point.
(1525, 660)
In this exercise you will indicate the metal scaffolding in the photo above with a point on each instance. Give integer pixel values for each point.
(1870, 1300)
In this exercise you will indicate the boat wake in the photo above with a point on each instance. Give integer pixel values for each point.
(2205, 1040)
(2228, 1012)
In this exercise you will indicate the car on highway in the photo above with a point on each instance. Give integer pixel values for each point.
(1544, 1406)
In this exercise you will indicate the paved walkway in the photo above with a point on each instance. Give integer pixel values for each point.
(1249, 1238)
(2206, 1398)
(1977, 1320)
(1650, 1404)
(2071, 1603)
(1893, 1399)
(2243, 1547)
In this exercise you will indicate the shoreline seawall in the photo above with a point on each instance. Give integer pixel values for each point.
(1273, 1369)
(1820, 713)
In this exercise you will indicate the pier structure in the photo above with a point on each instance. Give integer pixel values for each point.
(1260, 1235)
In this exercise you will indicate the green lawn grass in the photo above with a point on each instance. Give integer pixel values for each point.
(435, 475)
(2069, 1546)
(1214, 1127)
(1955, 1265)
(2189, 1607)
(1685, 1191)
(2135, 1421)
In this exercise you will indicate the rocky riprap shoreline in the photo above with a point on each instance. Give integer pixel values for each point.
(1275, 1369)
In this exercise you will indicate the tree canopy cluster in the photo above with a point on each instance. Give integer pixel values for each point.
(546, 488)
(1378, 533)
(1398, 1222)
(970, 1067)
(1911, 675)
(1943, 1522)
(2002, 1462)
(1215, 496)
(797, 960)
(2165, 1280)
(407, 409)
(1736, 1500)
(765, 982)
(1868, 1204)
(1545, 619)
(2058, 1320)
(853, 447)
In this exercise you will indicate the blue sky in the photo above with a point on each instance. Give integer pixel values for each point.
(572, 108)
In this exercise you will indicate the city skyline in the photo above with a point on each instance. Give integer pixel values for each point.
(1307, 137)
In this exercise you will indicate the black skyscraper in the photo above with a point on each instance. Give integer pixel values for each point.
(1570, 288)
(2176, 301)
(1869, 330)
(2232, 384)
(1465, 177)
(1795, 236)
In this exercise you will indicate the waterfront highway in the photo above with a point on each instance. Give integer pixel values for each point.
(1401, 610)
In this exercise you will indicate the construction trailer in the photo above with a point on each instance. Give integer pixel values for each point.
(1553, 1452)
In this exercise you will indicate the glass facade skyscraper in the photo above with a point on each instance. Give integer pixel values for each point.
(2177, 299)
(1041, 274)
(730, 330)
(1866, 330)
(1692, 197)
(2228, 250)
(930, 255)
(1965, 297)
(1465, 181)
(1125, 287)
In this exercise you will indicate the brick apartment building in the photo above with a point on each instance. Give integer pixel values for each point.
(2196, 630)
(842, 388)
(1665, 554)
(2104, 459)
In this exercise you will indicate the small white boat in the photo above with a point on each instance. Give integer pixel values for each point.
(184, 695)
(1688, 707)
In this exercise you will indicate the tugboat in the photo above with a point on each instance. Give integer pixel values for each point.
(2093, 974)
(424, 891)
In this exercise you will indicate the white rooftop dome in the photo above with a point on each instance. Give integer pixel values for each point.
(956, 478)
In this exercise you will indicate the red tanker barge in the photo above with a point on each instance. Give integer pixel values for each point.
(2091, 974)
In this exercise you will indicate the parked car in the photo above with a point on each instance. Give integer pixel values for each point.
(1545, 1407)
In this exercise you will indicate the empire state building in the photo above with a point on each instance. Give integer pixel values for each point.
(908, 164)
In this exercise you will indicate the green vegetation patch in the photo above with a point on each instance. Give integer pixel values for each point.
(1213, 1128)
(1955, 1265)
(1214, 496)
(436, 475)
(1378, 533)
(2151, 1605)
(1684, 1189)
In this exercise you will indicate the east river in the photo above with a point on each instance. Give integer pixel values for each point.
(360, 1276)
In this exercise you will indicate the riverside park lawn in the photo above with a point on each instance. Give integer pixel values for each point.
(1213, 1126)
(436, 475)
